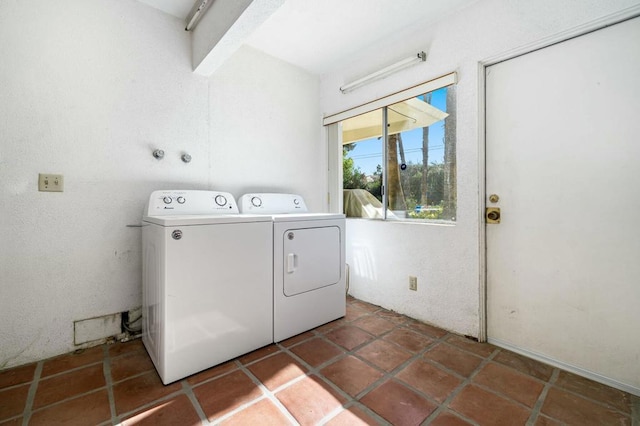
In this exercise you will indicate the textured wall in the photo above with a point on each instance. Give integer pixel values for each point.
(89, 89)
(266, 128)
(446, 260)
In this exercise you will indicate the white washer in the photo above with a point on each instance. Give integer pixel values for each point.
(308, 263)
(207, 281)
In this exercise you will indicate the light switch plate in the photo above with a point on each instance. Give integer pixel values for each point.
(50, 183)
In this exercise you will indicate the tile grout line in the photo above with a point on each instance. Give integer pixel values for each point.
(71, 370)
(492, 357)
(429, 420)
(386, 375)
(70, 398)
(79, 367)
(243, 367)
(552, 382)
(347, 405)
(397, 326)
(444, 406)
(106, 369)
(390, 375)
(484, 387)
(188, 390)
(350, 400)
(26, 414)
(333, 413)
(117, 418)
(595, 401)
(212, 378)
(147, 405)
(535, 411)
(505, 396)
(266, 393)
(581, 395)
(311, 370)
(133, 376)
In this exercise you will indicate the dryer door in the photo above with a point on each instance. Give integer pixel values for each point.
(311, 258)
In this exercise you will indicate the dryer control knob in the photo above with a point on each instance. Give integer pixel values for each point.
(221, 200)
(167, 200)
(256, 201)
(296, 201)
(180, 200)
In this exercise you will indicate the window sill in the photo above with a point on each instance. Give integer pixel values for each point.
(446, 223)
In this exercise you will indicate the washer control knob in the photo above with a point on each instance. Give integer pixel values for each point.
(220, 200)
(256, 201)
(180, 200)
(296, 201)
(167, 200)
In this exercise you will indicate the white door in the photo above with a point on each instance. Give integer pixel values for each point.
(563, 155)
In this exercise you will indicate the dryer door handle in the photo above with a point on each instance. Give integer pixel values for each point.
(292, 260)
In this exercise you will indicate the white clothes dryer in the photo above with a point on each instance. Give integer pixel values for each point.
(207, 281)
(308, 262)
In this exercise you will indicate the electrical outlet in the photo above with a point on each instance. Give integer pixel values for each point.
(50, 183)
(413, 283)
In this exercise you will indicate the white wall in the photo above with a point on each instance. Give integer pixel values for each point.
(446, 260)
(266, 128)
(89, 89)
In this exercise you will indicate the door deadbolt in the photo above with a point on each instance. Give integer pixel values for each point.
(492, 215)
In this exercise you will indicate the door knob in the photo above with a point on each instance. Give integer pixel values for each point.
(492, 215)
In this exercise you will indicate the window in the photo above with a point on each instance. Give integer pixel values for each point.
(408, 172)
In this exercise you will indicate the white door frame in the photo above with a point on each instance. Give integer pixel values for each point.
(605, 21)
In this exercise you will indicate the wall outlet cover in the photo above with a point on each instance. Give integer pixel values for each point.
(413, 283)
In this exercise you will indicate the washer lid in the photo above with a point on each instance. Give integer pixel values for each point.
(186, 220)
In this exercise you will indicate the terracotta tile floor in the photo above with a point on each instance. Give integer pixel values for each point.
(371, 367)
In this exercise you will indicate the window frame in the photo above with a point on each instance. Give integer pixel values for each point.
(334, 139)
